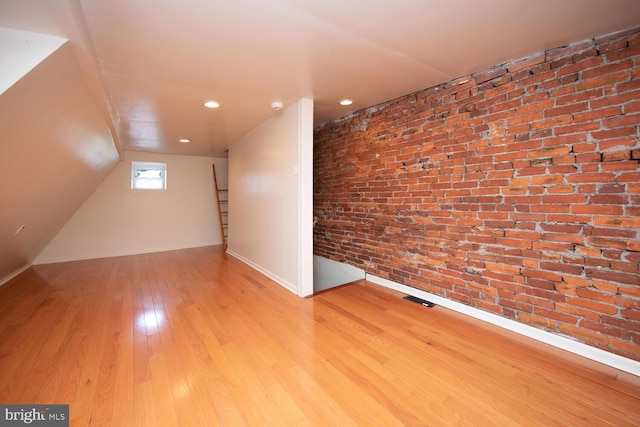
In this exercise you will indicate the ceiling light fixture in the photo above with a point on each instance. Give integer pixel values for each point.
(346, 102)
(211, 104)
(184, 140)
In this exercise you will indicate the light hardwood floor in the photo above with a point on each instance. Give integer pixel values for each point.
(197, 338)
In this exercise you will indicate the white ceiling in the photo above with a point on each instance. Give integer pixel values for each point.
(154, 62)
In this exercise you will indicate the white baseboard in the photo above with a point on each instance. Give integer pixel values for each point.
(14, 274)
(280, 281)
(596, 354)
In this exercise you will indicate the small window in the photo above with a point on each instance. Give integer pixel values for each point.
(148, 176)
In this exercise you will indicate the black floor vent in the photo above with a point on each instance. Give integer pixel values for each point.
(420, 301)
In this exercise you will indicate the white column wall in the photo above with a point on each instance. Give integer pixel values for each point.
(270, 197)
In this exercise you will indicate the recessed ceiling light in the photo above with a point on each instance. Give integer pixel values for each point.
(211, 104)
(184, 140)
(346, 102)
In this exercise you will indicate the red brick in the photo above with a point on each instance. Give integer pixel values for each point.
(628, 177)
(553, 122)
(601, 242)
(567, 160)
(601, 81)
(621, 121)
(531, 319)
(626, 302)
(614, 156)
(585, 63)
(595, 295)
(607, 69)
(485, 76)
(561, 267)
(565, 198)
(568, 51)
(604, 285)
(539, 274)
(606, 329)
(584, 148)
(631, 314)
(584, 334)
(586, 251)
(555, 315)
(613, 232)
(566, 109)
(593, 305)
(611, 188)
(611, 46)
(561, 189)
(557, 208)
(606, 221)
(607, 199)
(628, 267)
(591, 177)
(588, 53)
(615, 99)
(576, 281)
(619, 133)
(597, 114)
(616, 276)
(565, 288)
(578, 311)
(547, 179)
(588, 158)
(562, 228)
(587, 95)
(541, 283)
(576, 128)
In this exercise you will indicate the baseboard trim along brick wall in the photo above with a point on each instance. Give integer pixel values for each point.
(607, 358)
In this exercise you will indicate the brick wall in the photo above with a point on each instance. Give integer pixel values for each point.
(515, 190)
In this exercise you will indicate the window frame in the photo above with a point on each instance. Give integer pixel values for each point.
(136, 179)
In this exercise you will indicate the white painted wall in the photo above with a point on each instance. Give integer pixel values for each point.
(271, 198)
(116, 220)
(21, 51)
(328, 274)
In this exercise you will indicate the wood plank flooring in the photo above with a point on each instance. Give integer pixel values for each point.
(197, 338)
